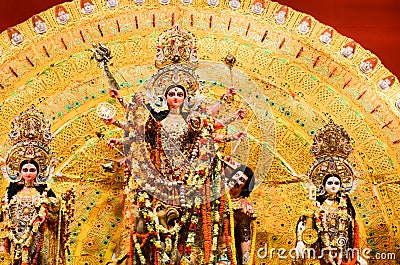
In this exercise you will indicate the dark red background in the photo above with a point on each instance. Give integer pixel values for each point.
(375, 24)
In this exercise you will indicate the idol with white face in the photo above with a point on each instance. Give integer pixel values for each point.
(234, 4)
(347, 52)
(325, 38)
(332, 185)
(384, 84)
(62, 17)
(213, 2)
(16, 38)
(257, 8)
(366, 67)
(280, 17)
(88, 8)
(112, 3)
(40, 26)
(304, 27)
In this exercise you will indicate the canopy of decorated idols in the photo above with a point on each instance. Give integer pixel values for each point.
(299, 71)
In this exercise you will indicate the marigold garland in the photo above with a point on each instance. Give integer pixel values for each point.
(232, 227)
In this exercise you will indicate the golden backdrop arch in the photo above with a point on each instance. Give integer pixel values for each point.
(305, 79)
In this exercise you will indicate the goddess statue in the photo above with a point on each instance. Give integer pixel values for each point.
(329, 230)
(29, 210)
(174, 196)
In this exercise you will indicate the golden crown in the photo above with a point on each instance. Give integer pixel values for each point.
(30, 136)
(331, 148)
(176, 46)
(177, 60)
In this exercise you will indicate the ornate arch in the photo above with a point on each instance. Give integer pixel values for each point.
(305, 80)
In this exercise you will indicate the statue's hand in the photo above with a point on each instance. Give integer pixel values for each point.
(101, 53)
(240, 114)
(247, 208)
(115, 94)
(138, 98)
(239, 135)
(112, 142)
(231, 91)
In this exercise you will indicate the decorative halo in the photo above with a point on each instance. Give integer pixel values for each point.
(178, 74)
(30, 136)
(25, 151)
(105, 110)
(331, 165)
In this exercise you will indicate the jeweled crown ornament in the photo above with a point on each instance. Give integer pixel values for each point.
(30, 137)
(176, 58)
(331, 140)
(176, 45)
(331, 149)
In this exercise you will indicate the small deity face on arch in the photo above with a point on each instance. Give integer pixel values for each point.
(29, 170)
(175, 96)
(87, 7)
(234, 4)
(326, 36)
(14, 35)
(258, 7)
(213, 2)
(332, 184)
(112, 3)
(348, 49)
(304, 26)
(386, 83)
(368, 65)
(62, 15)
(280, 16)
(38, 24)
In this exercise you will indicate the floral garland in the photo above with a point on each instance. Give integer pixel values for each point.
(232, 227)
(36, 223)
(322, 223)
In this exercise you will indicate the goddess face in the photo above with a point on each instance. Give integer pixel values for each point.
(62, 17)
(88, 8)
(325, 38)
(234, 4)
(29, 173)
(112, 3)
(175, 97)
(332, 185)
(347, 51)
(384, 84)
(304, 27)
(213, 2)
(40, 26)
(16, 38)
(366, 67)
(238, 180)
(257, 8)
(280, 17)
